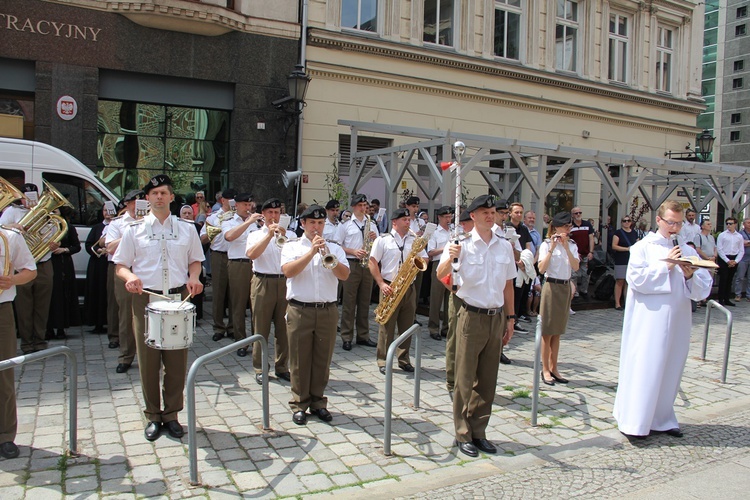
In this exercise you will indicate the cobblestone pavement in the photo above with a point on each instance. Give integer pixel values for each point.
(576, 449)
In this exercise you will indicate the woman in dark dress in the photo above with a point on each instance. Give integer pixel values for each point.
(623, 239)
(64, 311)
(186, 212)
(95, 298)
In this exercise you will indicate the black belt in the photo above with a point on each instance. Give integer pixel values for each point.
(557, 281)
(218, 251)
(171, 291)
(264, 275)
(316, 305)
(239, 260)
(353, 260)
(488, 312)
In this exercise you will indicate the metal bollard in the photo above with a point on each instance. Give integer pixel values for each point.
(389, 380)
(728, 339)
(537, 369)
(197, 364)
(73, 385)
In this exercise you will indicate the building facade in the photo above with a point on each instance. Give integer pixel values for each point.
(142, 87)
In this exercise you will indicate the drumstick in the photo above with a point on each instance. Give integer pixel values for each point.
(184, 300)
(157, 295)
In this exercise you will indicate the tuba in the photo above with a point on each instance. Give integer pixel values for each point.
(214, 231)
(8, 194)
(405, 276)
(41, 227)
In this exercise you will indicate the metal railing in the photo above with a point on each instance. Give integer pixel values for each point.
(727, 341)
(537, 370)
(197, 364)
(389, 379)
(72, 386)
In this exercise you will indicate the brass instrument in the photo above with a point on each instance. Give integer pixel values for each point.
(405, 276)
(280, 239)
(6, 264)
(214, 231)
(329, 260)
(8, 194)
(366, 242)
(41, 227)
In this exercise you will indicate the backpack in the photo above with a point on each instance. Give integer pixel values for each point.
(605, 287)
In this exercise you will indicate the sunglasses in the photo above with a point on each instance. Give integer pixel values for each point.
(577, 213)
(626, 220)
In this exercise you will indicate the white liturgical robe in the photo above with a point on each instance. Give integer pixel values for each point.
(655, 336)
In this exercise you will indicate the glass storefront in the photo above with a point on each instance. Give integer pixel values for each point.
(137, 141)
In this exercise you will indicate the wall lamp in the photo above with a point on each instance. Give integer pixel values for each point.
(704, 144)
(297, 82)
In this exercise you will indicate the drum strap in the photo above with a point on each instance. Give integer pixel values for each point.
(163, 237)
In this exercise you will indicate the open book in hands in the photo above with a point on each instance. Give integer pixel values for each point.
(694, 261)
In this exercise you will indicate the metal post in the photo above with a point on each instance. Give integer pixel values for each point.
(727, 340)
(73, 384)
(197, 364)
(389, 381)
(537, 369)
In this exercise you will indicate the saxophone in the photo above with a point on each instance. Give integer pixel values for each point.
(366, 242)
(405, 276)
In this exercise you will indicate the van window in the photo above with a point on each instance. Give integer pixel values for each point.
(15, 177)
(85, 197)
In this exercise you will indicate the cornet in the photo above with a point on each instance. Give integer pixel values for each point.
(280, 239)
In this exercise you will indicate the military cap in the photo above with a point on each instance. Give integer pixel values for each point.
(243, 197)
(157, 181)
(484, 201)
(135, 194)
(401, 212)
(314, 212)
(332, 204)
(271, 203)
(412, 200)
(561, 219)
(358, 198)
(445, 210)
(228, 194)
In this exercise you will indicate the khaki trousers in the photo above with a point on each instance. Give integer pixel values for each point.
(454, 304)
(150, 362)
(126, 335)
(32, 308)
(113, 310)
(403, 316)
(220, 286)
(240, 274)
(478, 341)
(357, 290)
(8, 419)
(268, 300)
(438, 304)
(312, 335)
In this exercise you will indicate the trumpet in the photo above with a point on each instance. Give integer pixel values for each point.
(329, 260)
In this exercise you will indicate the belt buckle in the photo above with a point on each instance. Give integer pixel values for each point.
(320, 305)
(491, 312)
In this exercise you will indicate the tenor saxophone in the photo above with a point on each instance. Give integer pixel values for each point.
(366, 242)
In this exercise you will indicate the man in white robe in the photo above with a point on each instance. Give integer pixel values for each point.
(656, 328)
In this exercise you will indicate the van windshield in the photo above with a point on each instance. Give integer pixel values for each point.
(85, 197)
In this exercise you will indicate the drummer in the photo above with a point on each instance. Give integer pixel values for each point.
(140, 265)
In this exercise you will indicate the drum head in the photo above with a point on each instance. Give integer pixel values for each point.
(170, 306)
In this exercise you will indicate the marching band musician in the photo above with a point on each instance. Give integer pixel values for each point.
(219, 273)
(32, 298)
(357, 289)
(332, 220)
(141, 265)
(486, 270)
(390, 251)
(438, 293)
(120, 317)
(502, 211)
(312, 314)
(239, 267)
(268, 288)
(21, 260)
(417, 225)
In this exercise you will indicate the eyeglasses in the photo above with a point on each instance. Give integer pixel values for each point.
(671, 223)
(577, 213)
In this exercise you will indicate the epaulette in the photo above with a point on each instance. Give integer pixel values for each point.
(115, 218)
(139, 221)
(464, 236)
(8, 228)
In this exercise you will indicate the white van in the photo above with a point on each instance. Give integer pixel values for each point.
(24, 161)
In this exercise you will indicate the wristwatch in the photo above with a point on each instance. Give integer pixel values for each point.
(510, 316)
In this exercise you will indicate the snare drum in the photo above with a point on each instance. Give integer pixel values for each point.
(169, 325)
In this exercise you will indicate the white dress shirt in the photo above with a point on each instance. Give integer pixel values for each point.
(115, 229)
(13, 215)
(730, 243)
(20, 258)
(484, 270)
(390, 250)
(349, 234)
(218, 244)
(330, 229)
(559, 265)
(438, 241)
(141, 251)
(690, 231)
(237, 248)
(315, 283)
(269, 262)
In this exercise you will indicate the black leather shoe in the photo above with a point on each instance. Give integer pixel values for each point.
(524, 318)
(259, 378)
(417, 323)
(676, 432)
(299, 417)
(175, 429)
(284, 376)
(468, 449)
(217, 337)
(484, 445)
(382, 370)
(9, 450)
(367, 343)
(407, 368)
(323, 414)
(153, 430)
(122, 368)
(548, 382)
(436, 336)
(347, 345)
(242, 352)
(114, 345)
(562, 380)
(504, 359)
(729, 303)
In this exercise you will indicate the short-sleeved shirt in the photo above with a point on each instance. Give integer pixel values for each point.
(115, 230)
(218, 244)
(269, 262)
(580, 235)
(315, 283)
(13, 215)
(706, 243)
(559, 264)
(20, 258)
(237, 247)
(437, 241)
(390, 250)
(349, 233)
